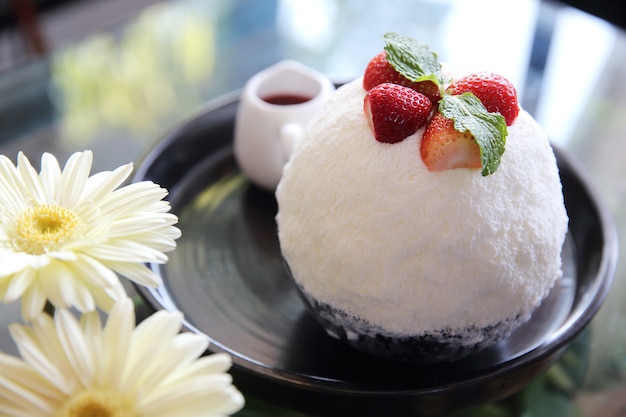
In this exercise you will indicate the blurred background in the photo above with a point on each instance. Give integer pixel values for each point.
(81, 59)
(115, 75)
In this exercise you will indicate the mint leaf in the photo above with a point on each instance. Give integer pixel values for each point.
(413, 59)
(489, 129)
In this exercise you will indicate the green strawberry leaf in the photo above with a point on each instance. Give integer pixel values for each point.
(413, 59)
(489, 129)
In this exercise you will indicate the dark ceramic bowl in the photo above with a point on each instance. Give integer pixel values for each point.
(228, 278)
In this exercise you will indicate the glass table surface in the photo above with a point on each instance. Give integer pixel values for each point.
(118, 91)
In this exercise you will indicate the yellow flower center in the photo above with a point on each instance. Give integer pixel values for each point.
(43, 229)
(97, 402)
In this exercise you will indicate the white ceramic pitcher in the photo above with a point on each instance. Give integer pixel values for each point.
(275, 105)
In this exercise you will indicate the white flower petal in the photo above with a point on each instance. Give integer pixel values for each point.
(73, 179)
(37, 261)
(126, 251)
(19, 284)
(160, 326)
(185, 347)
(47, 339)
(207, 382)
(101, 184)
(158, 239)
(95, 272)
(133, 225)
(148, 339)
(132, 198)
(116, 340)
(108, 296)
(11, 202)
(53, 282)
(18, 410)
(214, 363)
(84, 300)
(137, 273)
(63, 255)
(31, 179)
(105, 298)
(67, 285)
(49, 175)
(15, 406)
(75, 346)
(4, 285)
(91, 326)
(17, 372)
(172, 233)
(160, 206)
(33, 354)
(33, 302)
(12, 188)
(191, 399)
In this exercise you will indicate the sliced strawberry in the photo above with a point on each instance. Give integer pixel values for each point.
(495, 92)
(379, 71)
(395, 112)
(443, 147)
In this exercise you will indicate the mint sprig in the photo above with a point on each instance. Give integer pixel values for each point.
(489, 129)
(413, 59)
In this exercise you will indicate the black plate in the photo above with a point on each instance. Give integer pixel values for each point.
(227, 277)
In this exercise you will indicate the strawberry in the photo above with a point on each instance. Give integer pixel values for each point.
(495, 92)
(395, 112)
(443, 147)
(379, 71)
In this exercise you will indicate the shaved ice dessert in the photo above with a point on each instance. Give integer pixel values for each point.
(422, 216)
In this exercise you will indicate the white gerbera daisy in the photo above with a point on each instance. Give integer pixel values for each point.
(65, 235)
(75, 368)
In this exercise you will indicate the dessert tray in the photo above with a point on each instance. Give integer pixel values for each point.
(228, 279)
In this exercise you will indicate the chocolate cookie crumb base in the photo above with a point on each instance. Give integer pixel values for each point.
(444, 345)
